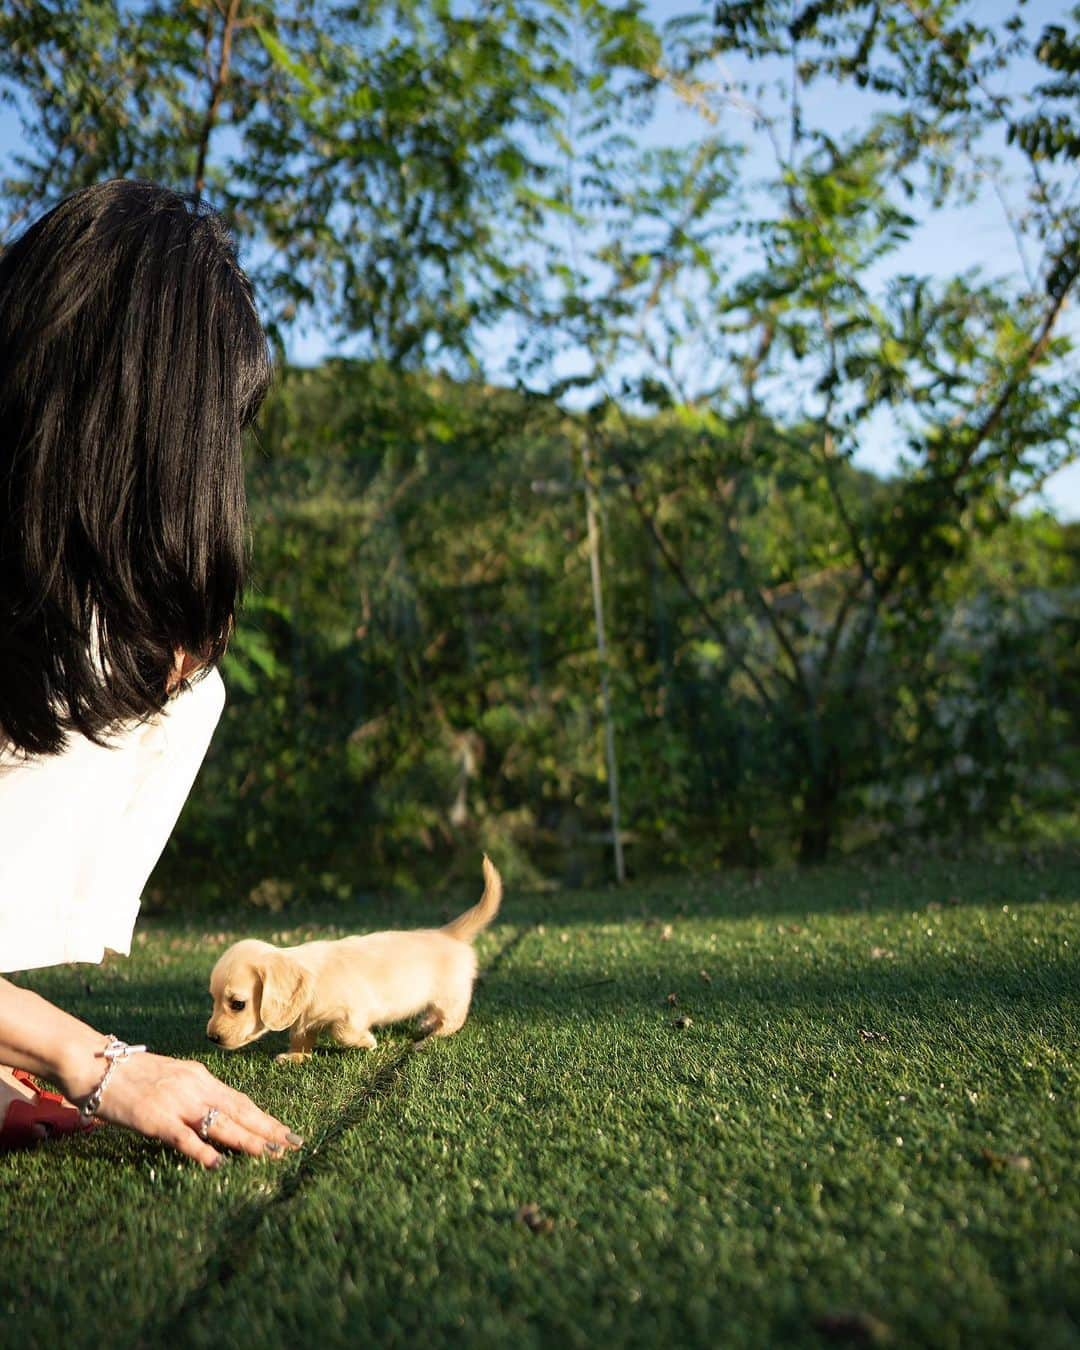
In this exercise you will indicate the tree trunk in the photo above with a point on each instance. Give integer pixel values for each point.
(818, 819)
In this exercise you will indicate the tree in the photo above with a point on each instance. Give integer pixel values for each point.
(746, 310)
(380, 163)
(738, 321)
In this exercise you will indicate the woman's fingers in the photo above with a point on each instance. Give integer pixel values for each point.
(229, 1133)
(171, 1099)
(244, 1110)
(186, 1140)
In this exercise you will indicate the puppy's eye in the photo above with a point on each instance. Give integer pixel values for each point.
(237, 1004)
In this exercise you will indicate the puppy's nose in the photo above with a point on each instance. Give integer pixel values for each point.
(213, 1036)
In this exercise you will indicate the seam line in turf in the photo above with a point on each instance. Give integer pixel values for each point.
(241, 1229)
(233, 1250)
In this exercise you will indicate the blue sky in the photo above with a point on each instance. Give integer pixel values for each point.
(947, 242)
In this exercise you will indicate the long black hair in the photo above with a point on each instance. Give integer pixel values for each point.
(131, 360)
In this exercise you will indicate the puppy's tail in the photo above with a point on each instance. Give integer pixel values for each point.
(466, 926)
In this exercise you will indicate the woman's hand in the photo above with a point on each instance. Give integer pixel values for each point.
(168, 1099)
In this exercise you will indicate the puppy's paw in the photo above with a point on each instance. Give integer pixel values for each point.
(355, 1040)
(292, 1057)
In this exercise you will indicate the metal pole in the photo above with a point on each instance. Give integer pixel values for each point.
(601, 649)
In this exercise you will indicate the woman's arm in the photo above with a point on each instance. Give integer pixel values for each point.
(163, 1098)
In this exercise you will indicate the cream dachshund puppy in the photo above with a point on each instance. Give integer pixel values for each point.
(350, 985)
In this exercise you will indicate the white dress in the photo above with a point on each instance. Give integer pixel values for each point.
(80, 831)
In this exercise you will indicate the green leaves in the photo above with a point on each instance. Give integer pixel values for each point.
(281, 58)
(1048, 134)
(486, 188)
(385, 167)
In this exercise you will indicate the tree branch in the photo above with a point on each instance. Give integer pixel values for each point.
(217, 90)
(993, 418)
(676, 569)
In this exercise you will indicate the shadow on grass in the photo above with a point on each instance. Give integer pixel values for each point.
(170, 1014)
(876, 993)
(841, 889)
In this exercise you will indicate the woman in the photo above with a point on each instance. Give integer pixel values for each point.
(131, 360)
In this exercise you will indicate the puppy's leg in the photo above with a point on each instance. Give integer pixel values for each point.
(301, 1044)
(427, 1027)
(446, 1019)
(429, 1023)
(454, 1013)
(348, 1032)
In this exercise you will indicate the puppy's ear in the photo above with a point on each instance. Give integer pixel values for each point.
(286, 991)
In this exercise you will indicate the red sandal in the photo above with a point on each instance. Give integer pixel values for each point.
(24, 1119)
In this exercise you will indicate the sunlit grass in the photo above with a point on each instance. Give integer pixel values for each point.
(730, 1111)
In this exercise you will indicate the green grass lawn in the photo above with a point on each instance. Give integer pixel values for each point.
(871, 1111)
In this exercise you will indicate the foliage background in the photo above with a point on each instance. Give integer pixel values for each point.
(415, 678)
(551, 299)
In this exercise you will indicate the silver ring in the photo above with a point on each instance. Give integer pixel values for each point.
(207, 1123)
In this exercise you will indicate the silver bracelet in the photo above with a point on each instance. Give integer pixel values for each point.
(114, 1051)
